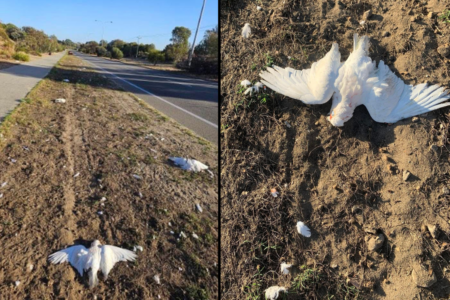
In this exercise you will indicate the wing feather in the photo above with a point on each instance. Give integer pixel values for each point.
(311, 86)
(390, 99)
(77, 256)
(110, 255)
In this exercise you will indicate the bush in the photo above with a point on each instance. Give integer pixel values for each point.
(116, 53)
(201, 65)
(156, 56)
(21, 56)
(101, 51)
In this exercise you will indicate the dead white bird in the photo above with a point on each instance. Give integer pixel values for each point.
(357, 81)
(303, 229)
(245, 83)
(246, 31)
(285, 268)
(273, 292)
(188, 164)
(96, 258)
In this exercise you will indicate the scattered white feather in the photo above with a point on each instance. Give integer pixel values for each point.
(171, 232)
(362, 22)
(249, 90)
(258, 7)
(245, 83)
(1, 195)
(60, 100)
(66, 80)
(198, 207)
(100, 213)
(157, 279)
(137, 176)
(137, 247)
(257, 86)
(182, 235)
(17, 282)
(246, 31)
(195, 236)
(13, 160)
(303, 229)
(180, 269)
(188, 164)
(285, 268)
(273, 292)
(97, 257)
(103, 199)
(3, 184)
(76, 175)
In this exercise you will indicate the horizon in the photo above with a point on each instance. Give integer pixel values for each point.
(128, 22)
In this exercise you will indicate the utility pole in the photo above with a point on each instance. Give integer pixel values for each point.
(195, 37)
(103, 27)
(137, 51)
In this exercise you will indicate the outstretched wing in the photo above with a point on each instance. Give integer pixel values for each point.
(111, 255)
(77, 256)
(390, 99)
(311, 86)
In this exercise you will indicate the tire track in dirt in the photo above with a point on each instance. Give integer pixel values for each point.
(68, 137)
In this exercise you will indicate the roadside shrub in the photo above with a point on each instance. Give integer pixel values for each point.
(108, 54)
(21, 56)
(202, 65)
(101, 51)
(156, 56)
(116, 53)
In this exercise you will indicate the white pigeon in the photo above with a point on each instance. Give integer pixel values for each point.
(303, 229)
(188, 164)
(246, 31)
(355, 82)
(96, 258)
(273, 292)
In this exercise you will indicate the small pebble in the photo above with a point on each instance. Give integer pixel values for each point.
(406, 175)
(415, 119)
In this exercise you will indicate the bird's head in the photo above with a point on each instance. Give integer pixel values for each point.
(95, 243)
(341, 110)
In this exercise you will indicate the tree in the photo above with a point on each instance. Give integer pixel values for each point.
(210, 44)
(156, 56)
(101, 51)
(116, 53)
(103, 43)
(115, 44)
(180, 43)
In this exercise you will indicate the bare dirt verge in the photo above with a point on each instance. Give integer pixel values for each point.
(58, 160)
(345, 183)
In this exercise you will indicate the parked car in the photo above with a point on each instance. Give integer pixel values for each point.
(70, 53)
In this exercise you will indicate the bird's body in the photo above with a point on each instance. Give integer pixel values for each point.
(357, 81)
(96, 258)
(188, 164)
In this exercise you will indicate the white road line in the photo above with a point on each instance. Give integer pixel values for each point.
(162, 99)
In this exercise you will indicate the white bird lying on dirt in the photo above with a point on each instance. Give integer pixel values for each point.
(273, 292)
(355, 82)
(96, 258)
(188, 164)
(246, 31)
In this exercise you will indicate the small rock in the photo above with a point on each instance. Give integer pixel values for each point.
(385, 157)
(334, 266)
(370, 230)
(434, 148)
(385, 34)
(391, 168)
(287, 124)
(415, 119)
(422, 277)
(445, 191)
(431, 15)
(406, 175)
(444, 50)
(413, 18)
(356, 209)
(367, 14)
(375, 243)
(433, 230)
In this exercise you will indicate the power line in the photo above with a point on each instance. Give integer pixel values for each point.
(160, 34)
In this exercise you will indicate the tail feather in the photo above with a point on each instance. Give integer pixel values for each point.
(361, 42)
(93, 279)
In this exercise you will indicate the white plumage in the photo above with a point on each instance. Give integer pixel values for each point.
(245, 83)
(246, 31)
(273, 292)
(303, 229)
(357, 81)
(96, 258)
(188, 164)
(285, 268)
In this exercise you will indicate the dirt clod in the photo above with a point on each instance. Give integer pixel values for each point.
(422, 277)
(444, 50)
(375, 243)
(433, 230)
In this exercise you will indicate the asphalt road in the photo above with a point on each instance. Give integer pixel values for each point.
(17, 81)
(191, 102)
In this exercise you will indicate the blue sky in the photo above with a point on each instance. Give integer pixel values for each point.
(75, 19)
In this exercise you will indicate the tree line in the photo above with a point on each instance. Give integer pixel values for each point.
(175, 52)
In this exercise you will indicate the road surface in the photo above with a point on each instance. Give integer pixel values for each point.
(191, 102)
(17, 81)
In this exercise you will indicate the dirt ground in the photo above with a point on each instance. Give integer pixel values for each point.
(58, 161)
(345, 183)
